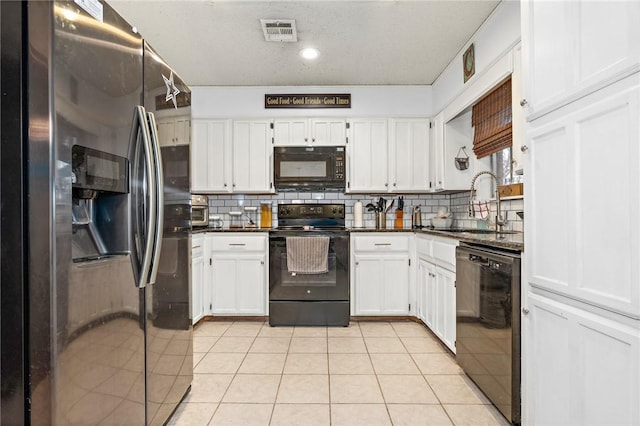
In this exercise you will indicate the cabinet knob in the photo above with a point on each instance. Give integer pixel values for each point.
(225, 185)
(524, 148)
(357, 263)
(234, 185)
(523, 102)
(313, 139)
(525, 311)
(394, 184)
(306, 139)
(386, 184)
(262, 262)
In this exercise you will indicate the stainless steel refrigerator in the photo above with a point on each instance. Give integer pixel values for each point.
(95, 321)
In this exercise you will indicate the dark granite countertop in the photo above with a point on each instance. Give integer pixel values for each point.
(513, 241)
(227, 229)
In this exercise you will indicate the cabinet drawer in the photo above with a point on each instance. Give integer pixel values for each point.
(239, 243)
(197, 245)
(381, 243)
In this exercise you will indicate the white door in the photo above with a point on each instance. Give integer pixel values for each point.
(197, 281)
(211, 156)
(395, 286)
(250, 284)
(368, 285)
(409, 155)
(252, 157)
(292, 131)
(182, 130)
(224, 279)
(166, 132)
(368, 156)
(328, 131)
(446, 284)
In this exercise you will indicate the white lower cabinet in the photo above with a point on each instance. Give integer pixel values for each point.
(380, 274)
(197, 277)
(238, 273)
(436, 286)
(587, 366)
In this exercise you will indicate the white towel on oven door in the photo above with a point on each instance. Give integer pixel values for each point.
(308, 255)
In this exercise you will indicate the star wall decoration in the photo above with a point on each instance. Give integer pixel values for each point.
(172, 90)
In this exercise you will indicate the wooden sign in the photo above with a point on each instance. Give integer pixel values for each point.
(182, 100)
(322, 100)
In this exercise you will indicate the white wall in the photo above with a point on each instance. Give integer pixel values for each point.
(366, 101)
(493, 40)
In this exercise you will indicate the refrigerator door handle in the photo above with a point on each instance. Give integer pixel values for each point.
(159, 188)
(141, 129)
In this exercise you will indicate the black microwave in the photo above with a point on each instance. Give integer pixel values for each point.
(309, 168)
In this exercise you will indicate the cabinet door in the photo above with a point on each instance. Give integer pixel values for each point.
(182, 130)
(421, 289)
(252, 157)
(446, 303)
(410, 155)
(197, 282)
(368, 286)
(578, 253)
(211, 156)
(223, 273)
(293, 131)
(250, 284)
(594, 44)
(436, 160)
(166, 131)
(197, 276)
(368, 156)
(581, 368)
(431, 301)
(328, 131)
(395, 287)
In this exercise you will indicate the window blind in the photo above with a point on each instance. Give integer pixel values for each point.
(491, 120)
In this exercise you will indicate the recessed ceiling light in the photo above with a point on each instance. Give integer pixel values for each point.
(309, 53)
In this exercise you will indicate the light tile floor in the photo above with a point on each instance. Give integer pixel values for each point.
(370, 373)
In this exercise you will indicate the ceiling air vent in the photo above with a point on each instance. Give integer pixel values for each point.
(279, 29)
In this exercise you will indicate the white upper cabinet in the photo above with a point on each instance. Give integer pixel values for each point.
(367, 153)
(252, 156)
(580, 244)
(173, 131)
(211, 156)
(409, 155)
(573, 48)
(309, 131)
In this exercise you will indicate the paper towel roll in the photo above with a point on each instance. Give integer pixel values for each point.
(357, 214)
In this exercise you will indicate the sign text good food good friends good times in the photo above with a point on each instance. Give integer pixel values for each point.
(308, 101)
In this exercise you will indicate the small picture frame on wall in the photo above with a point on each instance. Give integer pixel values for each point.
(468, 63)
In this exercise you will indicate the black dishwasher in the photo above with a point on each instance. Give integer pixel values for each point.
(488, 323)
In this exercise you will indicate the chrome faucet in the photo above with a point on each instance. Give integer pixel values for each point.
(500, 221)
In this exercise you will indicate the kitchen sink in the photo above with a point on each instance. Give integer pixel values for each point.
(475, 231)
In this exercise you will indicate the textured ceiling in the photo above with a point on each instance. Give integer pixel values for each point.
(220, 43)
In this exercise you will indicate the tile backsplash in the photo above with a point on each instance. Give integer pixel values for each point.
(223, 204)
(430, 203)
(509, 207)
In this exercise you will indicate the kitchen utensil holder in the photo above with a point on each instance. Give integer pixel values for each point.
(381, 220)
(462, 163)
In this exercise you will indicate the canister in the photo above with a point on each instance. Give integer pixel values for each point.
(265, 214)
(235, 219)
